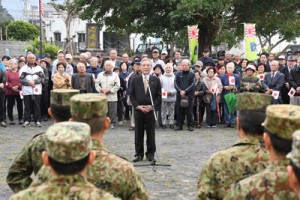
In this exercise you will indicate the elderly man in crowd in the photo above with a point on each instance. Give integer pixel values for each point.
(113, 58)
(184, 84)
(108, 83)
(83, 81)
(94, 69)
(31, 78)
(291, 62)
(273, 82)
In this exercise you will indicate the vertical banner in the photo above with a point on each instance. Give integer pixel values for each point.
(250, 40)
(193, 32)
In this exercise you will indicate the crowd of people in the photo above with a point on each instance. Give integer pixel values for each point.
(96, 95)
(188, 91)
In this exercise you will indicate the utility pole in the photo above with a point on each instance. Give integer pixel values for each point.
(41, 30)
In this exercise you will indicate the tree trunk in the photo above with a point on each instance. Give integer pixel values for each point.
(205, 38)
(68, 42)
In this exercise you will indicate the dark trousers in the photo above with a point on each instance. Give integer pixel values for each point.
(120, 110)
(44, 103)
(32, 102)
(211, 115)
(2, 106)
(198, 109)
(11, 99)
(181, 112)
(142, 122)
(127, 109)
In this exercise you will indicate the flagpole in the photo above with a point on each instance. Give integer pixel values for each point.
(41, 34)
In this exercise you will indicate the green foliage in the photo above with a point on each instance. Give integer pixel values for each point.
(22, 31)
(218, 20)
(47, 48)
(3, 25)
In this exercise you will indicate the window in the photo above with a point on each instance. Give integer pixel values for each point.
(57, 37)
(81, 37)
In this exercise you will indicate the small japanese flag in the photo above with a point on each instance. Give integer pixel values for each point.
(164, 94)
(261, 77)
(21, 95)
(231, 80)
(292, 92)
(36, 91)
(275, 94)
(214, 89)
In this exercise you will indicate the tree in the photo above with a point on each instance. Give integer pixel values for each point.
(47, 48)
(272, 17)
(3, 28)
(218, 20)
(68, 13)
(22, 31)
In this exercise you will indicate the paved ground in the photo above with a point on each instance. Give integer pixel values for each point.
(185, 151)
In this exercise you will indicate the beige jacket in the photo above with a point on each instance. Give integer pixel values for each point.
(61, 81)
(209, 84)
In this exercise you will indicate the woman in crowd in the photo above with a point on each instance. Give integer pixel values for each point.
(198, 106)
(212, 91)
(61, 79)
(250, 82)
(241, 71)
(44, 99)
(168, 103)
(5, 61)
(158, 71)
(120, 93)
(12, 91)
(231, 84)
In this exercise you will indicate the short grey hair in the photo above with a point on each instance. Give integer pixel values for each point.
(186, 61)
(13, 60)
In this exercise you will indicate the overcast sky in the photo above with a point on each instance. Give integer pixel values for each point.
(15, 7)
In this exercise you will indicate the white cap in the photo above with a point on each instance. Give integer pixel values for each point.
(164, 52)
(69, 56)
(281, 57)
(251, 67)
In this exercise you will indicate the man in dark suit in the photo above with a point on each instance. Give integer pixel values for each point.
(143, 88)
(274, 81)
(286, 87)
(83, 81)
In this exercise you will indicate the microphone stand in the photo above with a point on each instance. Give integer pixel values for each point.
(153, 163)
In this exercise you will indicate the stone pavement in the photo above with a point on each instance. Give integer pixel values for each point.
(185, 151)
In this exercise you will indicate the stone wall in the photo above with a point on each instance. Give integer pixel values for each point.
(16, 48)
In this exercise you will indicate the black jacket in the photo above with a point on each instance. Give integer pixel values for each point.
(184, 80)
(2, 80)
(294, 78)
(137, 92)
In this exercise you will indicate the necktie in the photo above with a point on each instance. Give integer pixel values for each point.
(145, 84)
(272, 76)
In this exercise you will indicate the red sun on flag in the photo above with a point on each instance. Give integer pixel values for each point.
(232, 80)
(292, 92)
(213, 90)
(164, 94)
(275, 94)
(36, 90)
(193, 32)
(261, 77)
(250, 30)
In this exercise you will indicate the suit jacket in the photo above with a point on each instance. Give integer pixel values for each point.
(275, 84)
(89, 85)
(137, 92)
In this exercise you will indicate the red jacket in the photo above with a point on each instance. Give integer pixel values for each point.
(12, 79)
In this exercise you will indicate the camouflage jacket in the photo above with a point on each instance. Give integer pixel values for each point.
(64, 187)
(110, 173)
(248, 156)
(28, 160)
(272, 183)
(253, 82)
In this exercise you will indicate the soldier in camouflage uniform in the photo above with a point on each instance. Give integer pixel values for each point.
(68, 153)
(29, 159)
(246, 157)
(294, 167)
(272, 183)
(250, 82)
(109, 171)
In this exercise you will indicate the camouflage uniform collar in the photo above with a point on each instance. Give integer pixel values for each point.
(97, 145)
(283, 163)
(252, 140)
(67, 179)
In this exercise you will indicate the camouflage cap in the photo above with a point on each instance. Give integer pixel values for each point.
(253, 101)
(282, 120)
(61, 97)
(88, 106)
(294, 155)
(67, 142)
